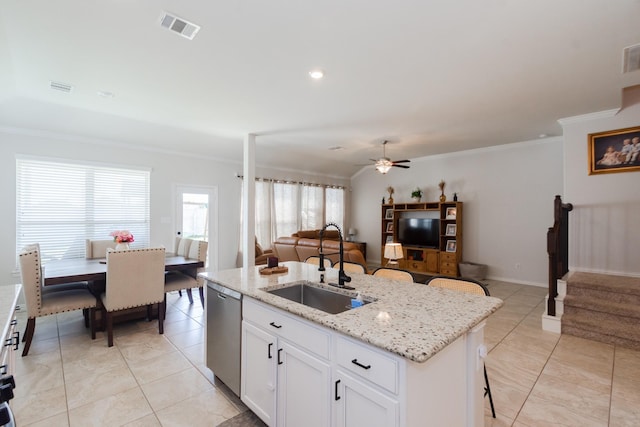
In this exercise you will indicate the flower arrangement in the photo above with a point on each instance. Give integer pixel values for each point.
(416, 194)
(122, 236)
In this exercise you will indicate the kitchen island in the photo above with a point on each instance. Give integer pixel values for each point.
(409, 358)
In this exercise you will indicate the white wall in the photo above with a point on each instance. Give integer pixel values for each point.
(168, 169)
(508, 194)
(605, 223)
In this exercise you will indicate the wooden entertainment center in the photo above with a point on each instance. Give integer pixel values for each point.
(443, 257)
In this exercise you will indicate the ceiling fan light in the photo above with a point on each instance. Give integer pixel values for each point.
(383, 165)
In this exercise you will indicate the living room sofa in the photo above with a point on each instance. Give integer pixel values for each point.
(296, 248)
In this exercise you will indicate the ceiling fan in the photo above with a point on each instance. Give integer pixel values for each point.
(383, 164)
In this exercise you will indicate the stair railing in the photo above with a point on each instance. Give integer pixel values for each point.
(558, 249)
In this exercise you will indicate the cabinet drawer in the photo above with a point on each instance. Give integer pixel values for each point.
(449, 271)
(368, 363)
(415, 265)
(448, 265)
(274, 321)
(447, 257)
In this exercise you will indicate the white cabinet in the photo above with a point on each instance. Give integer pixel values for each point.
(304, 388)
(296, 373)
(286, 377)
(359, 404)
(367, 385)
(258, 379)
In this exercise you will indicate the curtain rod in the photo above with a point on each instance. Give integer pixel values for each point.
(284, 181)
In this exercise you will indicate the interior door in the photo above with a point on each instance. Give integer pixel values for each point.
(196, 217)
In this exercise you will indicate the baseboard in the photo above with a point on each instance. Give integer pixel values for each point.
(551, 323)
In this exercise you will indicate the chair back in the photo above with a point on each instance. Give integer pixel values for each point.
(31, 274)
(394, 274)
(198, 250)
(351, 267)
(134, 278)
(182, 246)
(98, 248)
(459, 284)
(315, 260)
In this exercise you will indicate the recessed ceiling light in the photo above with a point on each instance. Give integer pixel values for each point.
(105, 94)
(316, 74)
(336, 148)
(542, 135)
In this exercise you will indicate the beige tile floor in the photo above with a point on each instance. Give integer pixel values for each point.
(537, 378)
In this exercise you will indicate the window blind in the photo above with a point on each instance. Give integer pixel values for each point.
(60, 205)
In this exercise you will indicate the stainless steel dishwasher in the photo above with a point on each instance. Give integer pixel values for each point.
(224, 333)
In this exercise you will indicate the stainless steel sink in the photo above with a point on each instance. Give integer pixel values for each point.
(319, 298)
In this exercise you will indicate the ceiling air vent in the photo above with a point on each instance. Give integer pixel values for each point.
(62, 87)
(184, 28)
(631, 61)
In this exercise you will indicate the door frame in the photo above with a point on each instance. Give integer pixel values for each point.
(212, 192)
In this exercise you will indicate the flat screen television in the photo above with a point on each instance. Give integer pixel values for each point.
(422, 232)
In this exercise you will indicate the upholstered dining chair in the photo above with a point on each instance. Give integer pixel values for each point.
(182, 246)
(41, 303)
(98, 248)
(473, 287)
(315, 260)
(177, 281)
(393, 274)
(351, 267)
(135, 278)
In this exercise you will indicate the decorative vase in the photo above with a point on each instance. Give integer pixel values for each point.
(416, 199)
(443, 198)
(122, 246)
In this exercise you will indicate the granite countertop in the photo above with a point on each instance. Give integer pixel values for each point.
(8, 299)
(412, 320)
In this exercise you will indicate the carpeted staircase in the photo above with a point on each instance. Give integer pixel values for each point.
(604, 308)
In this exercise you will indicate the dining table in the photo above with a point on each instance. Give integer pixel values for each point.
(94, 271)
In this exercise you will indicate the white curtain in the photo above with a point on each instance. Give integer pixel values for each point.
(265, 213)
(334, 206)
(311, 206)
(283, 208)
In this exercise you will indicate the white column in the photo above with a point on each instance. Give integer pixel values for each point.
(248, 201)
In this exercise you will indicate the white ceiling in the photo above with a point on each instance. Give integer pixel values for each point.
(430, 76)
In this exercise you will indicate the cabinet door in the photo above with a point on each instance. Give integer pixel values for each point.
(258, 378)
(304, 391)
(359, 404)
(432, 264)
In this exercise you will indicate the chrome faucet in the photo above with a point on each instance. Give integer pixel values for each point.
(342, 276)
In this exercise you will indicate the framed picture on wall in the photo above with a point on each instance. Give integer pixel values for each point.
(388, 214)
(451, 245)
(614, 151)
(451, 229)
(390, 227)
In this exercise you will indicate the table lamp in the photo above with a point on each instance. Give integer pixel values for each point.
(393, 252)
(352, 233)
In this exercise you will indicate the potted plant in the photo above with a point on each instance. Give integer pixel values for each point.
(416, 194)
